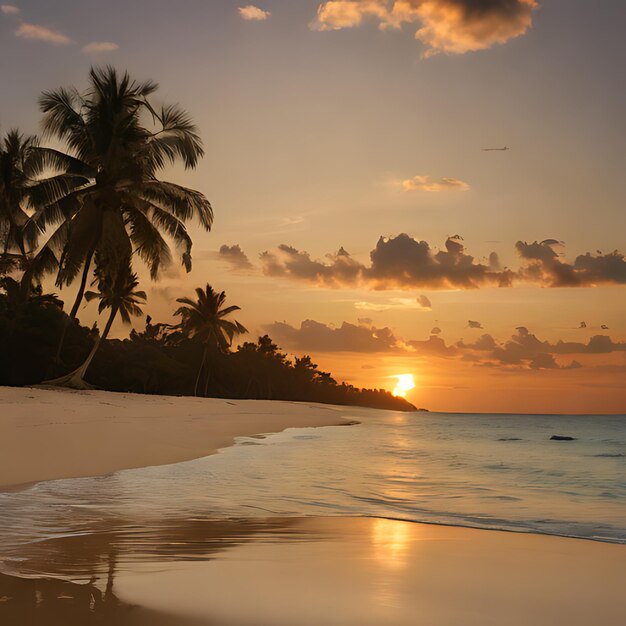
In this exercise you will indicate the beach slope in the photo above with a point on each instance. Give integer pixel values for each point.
(47, 434)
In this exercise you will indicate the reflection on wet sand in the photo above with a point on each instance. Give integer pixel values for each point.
(51, 602)
(70, 581)
(312, 571)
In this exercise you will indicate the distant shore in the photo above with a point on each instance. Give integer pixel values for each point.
(46, 434)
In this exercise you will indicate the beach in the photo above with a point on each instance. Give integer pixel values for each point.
(46, 434)
(333, 571)
(172, 544)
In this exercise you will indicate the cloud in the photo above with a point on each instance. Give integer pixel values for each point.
(474, 324)
(598, 344)
(543, 361)
(235, 256)
(424, 302)
(526, 349)
(96, 47)
(318, 337)
(459, 26)
(433, 346)
(250, 12)
(443, 26)
(426, 183)
(402, 262)
(9, 9)
(421, 302)
(522, 351)
(41, 33)
(338, 270)
(339, 14)
(545, 266)
(494, 262)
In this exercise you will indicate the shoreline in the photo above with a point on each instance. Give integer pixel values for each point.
(156, 431)
(50, 434)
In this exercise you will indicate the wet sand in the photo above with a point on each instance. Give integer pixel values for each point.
(336, 571)
(47, 434)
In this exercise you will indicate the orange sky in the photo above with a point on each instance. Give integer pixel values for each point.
(345, 153)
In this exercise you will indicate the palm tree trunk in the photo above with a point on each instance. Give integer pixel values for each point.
(77, 301)
(26, 284)
(207, 377)
(75, 379)
(195, 389)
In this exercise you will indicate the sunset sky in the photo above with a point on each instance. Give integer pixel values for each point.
(358, 216)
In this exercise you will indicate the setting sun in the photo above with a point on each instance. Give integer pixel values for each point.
(405, 383)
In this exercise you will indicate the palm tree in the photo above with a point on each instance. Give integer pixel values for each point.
(205, 320)
(117, 292)
(22, 187)
(15, 150)
(121, 142)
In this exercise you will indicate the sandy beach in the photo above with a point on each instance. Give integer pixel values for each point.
(47, 434)
(343, 571)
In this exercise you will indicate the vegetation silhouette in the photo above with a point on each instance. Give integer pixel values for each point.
(205, 320)
(88, 212)
(117, 292)
(120, 142)
(162, 359)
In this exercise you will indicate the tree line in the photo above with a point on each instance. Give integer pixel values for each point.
(86, 214)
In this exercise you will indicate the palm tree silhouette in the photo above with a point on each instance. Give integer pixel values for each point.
(15, 152)
(117, 292)
(23, 188)
(121, 142)
(204, 319)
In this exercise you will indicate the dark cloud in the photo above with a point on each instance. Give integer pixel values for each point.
(494, 262)
(235, 256)
(436, 331)
(424, 302)
(340, 269)
(434, 346)
(474, 324)
(403, 262)
(396, 263)
(317, 337)
(522, 351)
(524, 348)
(598, 344)
(545, 266)
(486, 342)
(545, 361)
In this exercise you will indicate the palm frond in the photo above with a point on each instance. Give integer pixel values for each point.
(147, 241)
(182, 202)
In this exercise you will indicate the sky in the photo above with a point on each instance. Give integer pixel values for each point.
(358, 216)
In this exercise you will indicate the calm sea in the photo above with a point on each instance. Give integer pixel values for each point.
(485, 471)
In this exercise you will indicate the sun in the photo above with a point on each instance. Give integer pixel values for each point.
(405, 383)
